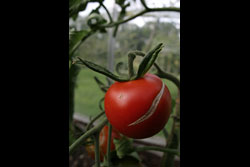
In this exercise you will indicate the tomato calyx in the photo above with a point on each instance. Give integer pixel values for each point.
(148, 61)
(145, 65)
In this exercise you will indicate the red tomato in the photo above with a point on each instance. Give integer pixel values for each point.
(138, 108)
(103, 143)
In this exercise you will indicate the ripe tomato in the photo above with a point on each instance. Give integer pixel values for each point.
(138, 108)
(103, 143)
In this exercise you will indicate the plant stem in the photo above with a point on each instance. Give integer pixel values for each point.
(101, 85)
(82, 40)
(168, 150)
(93, 120)
(73, 73)
(97, 149)
(172, 9)
(144, 4)
(100, 104)
(165, 133)
(124, 21)
(131, 58)
(168, 76)
(90, 132)
(172, 142)
(109, 144)
(110, 18)
(117, 69)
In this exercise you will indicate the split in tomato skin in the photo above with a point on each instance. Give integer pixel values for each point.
(103, 143)
(127, 102)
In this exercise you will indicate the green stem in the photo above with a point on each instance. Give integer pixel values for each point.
(101, 85)
(110, 18)
(97, 149)
(144, 4)
(131, 58)
(141, 13)
(109, 144)
(172, 141)
(100, 104)
(168, 76)
(73, 73)
(145, 148)
(120, 17)
(90, 132)
(165, 133)
(82, 40)
(93, 120)
(118, 67)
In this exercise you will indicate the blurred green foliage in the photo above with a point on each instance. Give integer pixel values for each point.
(131, 37)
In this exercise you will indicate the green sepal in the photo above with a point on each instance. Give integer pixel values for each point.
(123, 146)
(102, 70)
(148, 61)
(75, 6)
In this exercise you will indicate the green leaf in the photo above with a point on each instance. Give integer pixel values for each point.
(102, 70)
(123, 146)
(148, 61)
(75, 6)
(75, 38)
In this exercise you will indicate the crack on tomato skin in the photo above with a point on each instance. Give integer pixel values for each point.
(152, 108)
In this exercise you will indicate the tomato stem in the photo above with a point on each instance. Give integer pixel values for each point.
(101, 85)
(73, 73)
(131, 58)
(160, 73)
(97, 149)
(172, 140)
(87, 134)
(93, 120)
(109, 144)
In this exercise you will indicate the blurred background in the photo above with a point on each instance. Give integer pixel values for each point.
(142, 33)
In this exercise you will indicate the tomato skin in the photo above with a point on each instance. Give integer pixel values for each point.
(103, 143)
(126, 102)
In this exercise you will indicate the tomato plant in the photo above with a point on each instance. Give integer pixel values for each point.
(103, 141)
(133, 107)
(138, 105)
